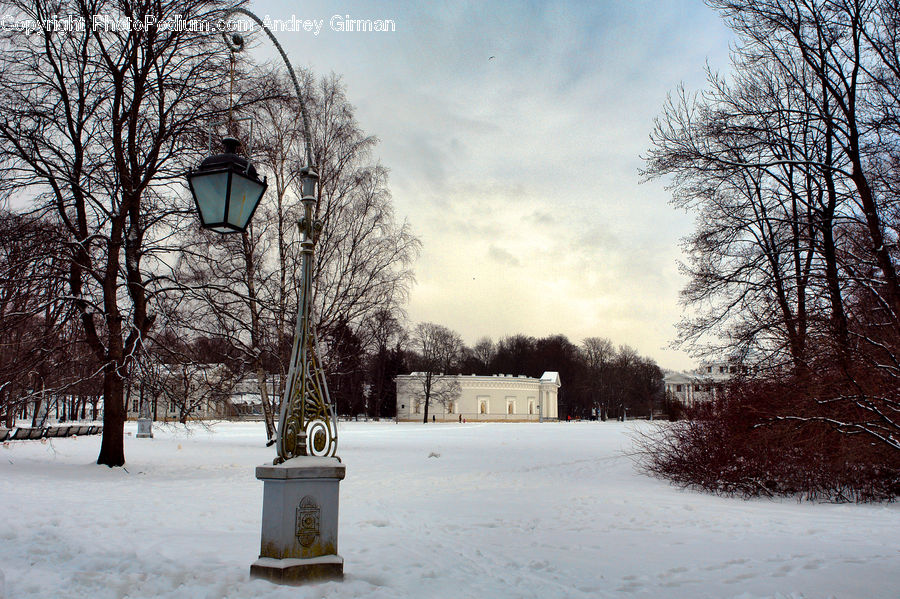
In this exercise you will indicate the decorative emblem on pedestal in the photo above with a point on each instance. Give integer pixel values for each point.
(307, 521)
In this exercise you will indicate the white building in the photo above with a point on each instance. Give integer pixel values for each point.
(245, 402)
(701, 384)
(500, 397)
(241, 399)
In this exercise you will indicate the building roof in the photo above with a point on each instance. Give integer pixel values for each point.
(245, 398)
(679, 378)
(551, 376)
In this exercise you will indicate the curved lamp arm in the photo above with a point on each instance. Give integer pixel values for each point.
(287, 63)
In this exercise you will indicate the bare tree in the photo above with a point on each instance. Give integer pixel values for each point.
(748, 158)
(247, 287)
(192, 390)
(484, 351)
(437, 350)
(94, 127)
(790, 165)
(598, 354)
(845, 46)
(38, 338)
(364, 256)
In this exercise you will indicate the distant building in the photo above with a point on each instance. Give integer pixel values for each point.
(202, 391)
(245, 402)
(702, 384)
(500, 397)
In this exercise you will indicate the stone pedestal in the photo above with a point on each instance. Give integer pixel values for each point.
(145, 428)
(300, 521)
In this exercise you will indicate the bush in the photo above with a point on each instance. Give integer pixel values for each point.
(675, 410)
(773, 439)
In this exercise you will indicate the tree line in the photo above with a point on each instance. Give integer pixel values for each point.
(599, 381)
(189, 365)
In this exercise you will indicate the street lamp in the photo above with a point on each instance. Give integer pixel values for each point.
(300, 487)
(226, 190)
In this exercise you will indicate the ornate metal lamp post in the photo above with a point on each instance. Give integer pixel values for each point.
(306, 425)
(226, 191)
(300, 492)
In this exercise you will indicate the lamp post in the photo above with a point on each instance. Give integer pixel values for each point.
(300, 487)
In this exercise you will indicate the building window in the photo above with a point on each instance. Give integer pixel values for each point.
(698, 387)
(509, 408)
(483, 408)
(677, 388)
(530, 408)
(134, 405)
(450, 408)
(173, 407)
(709, 369)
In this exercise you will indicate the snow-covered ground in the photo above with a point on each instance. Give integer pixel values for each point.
(505, 510)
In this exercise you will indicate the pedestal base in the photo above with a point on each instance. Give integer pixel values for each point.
(145, 428)
(300, 521)
(298, 571)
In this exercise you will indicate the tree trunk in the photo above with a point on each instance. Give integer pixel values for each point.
(112, 446)
(268, 412)
(874, 224)
(37, 407)
(427, 397)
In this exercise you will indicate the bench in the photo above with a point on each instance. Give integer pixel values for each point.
(59, 431)
(24, 433)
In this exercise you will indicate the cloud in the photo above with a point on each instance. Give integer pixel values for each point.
(502, 256)
(520, 173)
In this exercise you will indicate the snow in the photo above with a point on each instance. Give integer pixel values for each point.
(551, 376)
(445, 511)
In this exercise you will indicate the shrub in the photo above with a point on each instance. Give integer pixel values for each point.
(774, 438)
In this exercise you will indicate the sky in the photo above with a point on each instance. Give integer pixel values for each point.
(519, 173)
